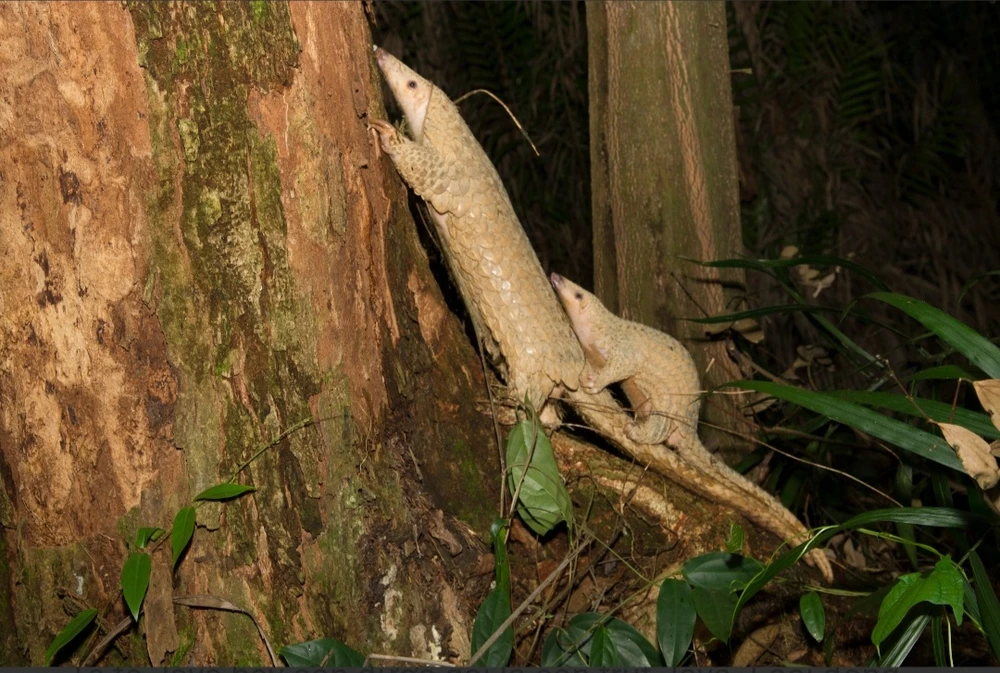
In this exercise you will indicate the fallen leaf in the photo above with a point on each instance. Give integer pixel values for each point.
(210, 602)
(988, 392)
(853, 557)
(974, 453)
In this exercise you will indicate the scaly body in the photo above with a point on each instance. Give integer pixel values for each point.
(660, 380)
(495, 267)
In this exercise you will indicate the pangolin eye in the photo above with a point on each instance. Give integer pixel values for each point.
(412, 84)
(579, 296)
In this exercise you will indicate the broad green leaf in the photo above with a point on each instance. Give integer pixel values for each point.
(633, 650)
(144, 536)
(325, 652)
(967, 341)
(720, 571)
(987, 600)
(716, 607)
(224, 491)
(181, 533)
(813, 615)
(923, 408)
(561, 650)
(135, 581)
(675, 619)
(492, 613)
(943, 586)
(858, 417)
(543, 501)
(75, 627)
(603, 653)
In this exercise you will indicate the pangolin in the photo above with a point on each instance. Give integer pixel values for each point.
(660, 380)
(495, 267)
(513, 309)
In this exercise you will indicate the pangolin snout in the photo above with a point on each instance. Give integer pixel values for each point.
(555, 279)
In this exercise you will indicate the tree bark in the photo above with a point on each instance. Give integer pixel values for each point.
(201, 250)
(664, 179)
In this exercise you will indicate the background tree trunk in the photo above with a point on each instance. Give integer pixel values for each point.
(201, 250)
(664, 178)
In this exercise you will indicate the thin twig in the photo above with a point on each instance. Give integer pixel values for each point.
(553, 576)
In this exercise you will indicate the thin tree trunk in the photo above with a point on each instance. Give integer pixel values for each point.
(201, 249)
(664, 178)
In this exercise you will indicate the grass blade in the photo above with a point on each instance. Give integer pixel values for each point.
(967, 341)
(896, 433)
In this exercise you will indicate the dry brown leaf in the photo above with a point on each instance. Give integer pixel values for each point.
(210, 602)
(756, 644)
(853, 557)
(974, 453)
(988, 392)
(789, 251)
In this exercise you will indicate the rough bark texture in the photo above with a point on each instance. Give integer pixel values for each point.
(664, 179)
(200, 251)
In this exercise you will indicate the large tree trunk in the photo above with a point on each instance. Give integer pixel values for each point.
(664, 178)
(201, 249)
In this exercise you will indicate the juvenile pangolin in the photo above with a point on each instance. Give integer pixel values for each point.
(660, 380)
(495, 267)
(513, 309)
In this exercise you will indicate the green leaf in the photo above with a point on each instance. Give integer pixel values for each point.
(501, 566)
(560, 650)
(896, 654)
(224, 491)
(574, 642)
(543, 501)
(492, 613)
(937, 641)
(675, 619)
(878, 425)
(943, 372)
(75, 627)
(716, 607)
(987, 600)
(813, 615)
(942, 517)
(135, 581)
(720, 571)
(943, 586)
(181, 533)
(734, 544)
(145, 535)
(324, 652)
(967, 341)
(923, 408)
(603, 653)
